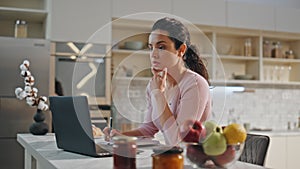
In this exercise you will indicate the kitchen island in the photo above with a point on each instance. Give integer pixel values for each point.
(41, 152)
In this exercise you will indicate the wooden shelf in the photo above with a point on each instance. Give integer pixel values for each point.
(277, 60)
(245, 58)
(34, 12)
(256, 83)
(126, 51)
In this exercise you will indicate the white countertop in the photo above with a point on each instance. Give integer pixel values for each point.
(47, 155)
(278, 132)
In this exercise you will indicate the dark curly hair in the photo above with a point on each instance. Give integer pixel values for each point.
(179, 34)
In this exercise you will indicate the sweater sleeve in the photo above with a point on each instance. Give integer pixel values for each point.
(148, 128)
(193, 104)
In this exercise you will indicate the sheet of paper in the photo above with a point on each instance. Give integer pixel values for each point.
(141, 141)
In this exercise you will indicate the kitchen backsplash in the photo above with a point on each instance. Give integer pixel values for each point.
(263, 108)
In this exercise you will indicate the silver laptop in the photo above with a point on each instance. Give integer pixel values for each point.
(73, 128)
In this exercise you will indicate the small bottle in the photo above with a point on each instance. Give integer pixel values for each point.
(20, 29)
(124, 150)
(289, 54)
(299, 120)
(289, 125)
(170, 156)
(248, 47)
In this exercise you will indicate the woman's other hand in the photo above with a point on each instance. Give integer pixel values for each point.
(159, 80)
(97, 131)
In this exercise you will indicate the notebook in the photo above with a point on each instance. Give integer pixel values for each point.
(73, 128)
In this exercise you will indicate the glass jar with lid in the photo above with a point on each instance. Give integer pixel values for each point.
(276, 51)
(124, 152)
(20, 29)
(248, 47)
(167, 156)
(267, 49)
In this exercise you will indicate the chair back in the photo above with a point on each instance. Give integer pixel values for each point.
(255, 149)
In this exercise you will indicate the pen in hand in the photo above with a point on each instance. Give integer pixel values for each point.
(110, 128)
(107, 130)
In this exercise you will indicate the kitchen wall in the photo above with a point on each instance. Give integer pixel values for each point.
(263, 108)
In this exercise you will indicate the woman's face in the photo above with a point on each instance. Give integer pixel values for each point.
(162, 50)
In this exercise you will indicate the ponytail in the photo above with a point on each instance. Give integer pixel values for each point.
(194, 62)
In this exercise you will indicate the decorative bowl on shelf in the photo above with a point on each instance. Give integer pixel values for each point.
(243, 77)
(134, 45)
(197, 157)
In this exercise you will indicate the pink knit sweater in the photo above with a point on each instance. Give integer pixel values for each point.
(190, 99)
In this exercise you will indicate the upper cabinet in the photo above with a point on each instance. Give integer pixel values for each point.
(33, 12)
(287, 19)
(81, 21)
(133, 9)
(206, 12)
(252, 14)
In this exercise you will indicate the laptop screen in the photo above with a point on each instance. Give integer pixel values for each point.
(72, 124)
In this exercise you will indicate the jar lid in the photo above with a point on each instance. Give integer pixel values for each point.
(124, 139)
(21, 22)
(168, 150)
(276, 43)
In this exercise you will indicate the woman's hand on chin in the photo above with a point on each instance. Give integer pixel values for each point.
(159, 79)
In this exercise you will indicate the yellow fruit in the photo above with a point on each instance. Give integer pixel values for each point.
(235, 133)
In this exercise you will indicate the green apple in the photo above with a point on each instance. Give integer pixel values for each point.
(209, 126)
(215, 143)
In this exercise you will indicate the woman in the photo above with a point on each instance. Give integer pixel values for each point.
(179, 89)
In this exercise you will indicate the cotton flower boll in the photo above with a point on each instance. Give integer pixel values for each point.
(34, 92)
(42, 105)
(26, 63)
(27, 89)
(18, 90)
(25, 73)
(31, 101)
(44, 98)
(29, 80)
(20, 93)
(23, 67)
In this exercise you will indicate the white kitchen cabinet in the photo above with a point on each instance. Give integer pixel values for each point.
(293, 152)
(283, 152)
(138, 9)
(287, 19)
(34, 12)
(250, 15)
(78, 20)
(205, 12)
(277, 153)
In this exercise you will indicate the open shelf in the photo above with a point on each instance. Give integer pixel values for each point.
(222, 50)
(34, 12)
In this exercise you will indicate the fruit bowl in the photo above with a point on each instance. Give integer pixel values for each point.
(199, 159)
